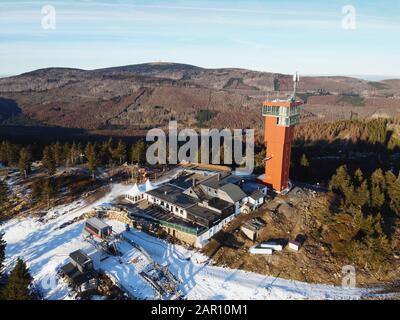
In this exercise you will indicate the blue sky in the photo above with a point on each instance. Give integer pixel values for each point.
(278, 36)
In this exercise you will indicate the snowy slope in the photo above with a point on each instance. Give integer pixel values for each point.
(45, 247)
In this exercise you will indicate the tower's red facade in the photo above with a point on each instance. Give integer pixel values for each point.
(280, 117)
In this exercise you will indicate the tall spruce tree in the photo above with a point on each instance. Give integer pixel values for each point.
(92, 158)
(341, 182)
(106, 152)
(24, 163)
(19, 283)
(304, 161)
(119, 153)
(138, 152)
(393, 192)
(377, 189)
(48, 160)
(48, 191)
(361, 192)
(58, 153)
(3, 193)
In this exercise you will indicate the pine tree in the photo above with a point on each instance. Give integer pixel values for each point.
(19, 283)
(393, 192)
(341, 183)
(3, 153)
(73, 157)
(48, 160)
(119, 153)
(67, 151)
(92, 158)
(138, 152)
(24, 163)
(377, 190)
(3, 192)
(2, 253)
(9, 153)
(304, 161)
(58, 153)
(106, 152)
(48, 191)
(361, 192)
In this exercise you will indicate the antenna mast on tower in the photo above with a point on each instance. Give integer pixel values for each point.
(296, 79)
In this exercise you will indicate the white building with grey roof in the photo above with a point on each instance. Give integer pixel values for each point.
(207, 202)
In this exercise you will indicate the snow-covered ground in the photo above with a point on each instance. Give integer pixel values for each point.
(45, 247)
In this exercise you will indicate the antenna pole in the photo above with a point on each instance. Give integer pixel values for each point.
(295, 83)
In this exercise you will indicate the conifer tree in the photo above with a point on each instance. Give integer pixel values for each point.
(377, 190)
(3, 192)
(58, 153)
(9, 154)
(19, 283)
(393, 192)
(304, 161)
(3, 153)
(92, 158)
(138, 152)
(342, 183)
(67, 151)
(48, 191)
(73, 156)
(120, 152)
(106, 152)
(48, 160)
(361, 192)
(24, 163)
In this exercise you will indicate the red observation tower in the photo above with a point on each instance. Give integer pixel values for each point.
(280, 118)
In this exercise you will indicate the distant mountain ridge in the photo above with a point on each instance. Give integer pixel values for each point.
(131, 99)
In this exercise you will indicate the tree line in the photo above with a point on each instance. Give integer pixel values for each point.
(380, 193)
(375, 133)
(373, 206)
(68, 154)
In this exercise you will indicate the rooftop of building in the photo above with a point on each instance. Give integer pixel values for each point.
(97, 223)
(78, 278)
(185, 180)
(172, 194)
(80, 257)
(254, 224)
(250, 186)
(219, 204)
(233, 191)
(165, 217)
(204, 213)
(256, 195)
(220, 179)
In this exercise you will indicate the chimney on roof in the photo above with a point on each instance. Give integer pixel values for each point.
(219, 176)
(194, 182)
